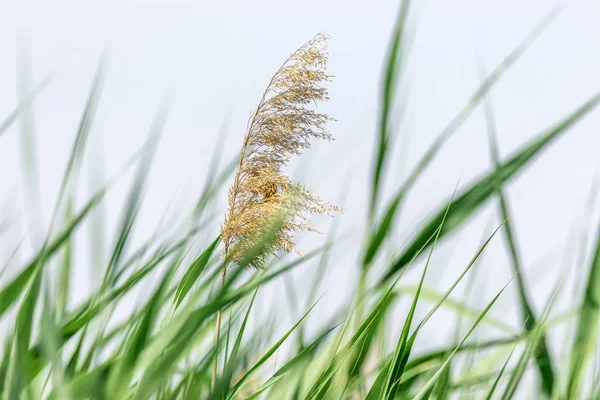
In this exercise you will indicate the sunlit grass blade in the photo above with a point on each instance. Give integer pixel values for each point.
(471, 199)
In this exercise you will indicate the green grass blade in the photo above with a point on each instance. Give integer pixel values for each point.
(586, 338)
(381, 231)
(133, 202)
(238, 340)
(12, 117)
(479, 192)
(267, 355)
(404, 346)
(499, 376)
(542, 355)
(194, 271)
(392, 75)
(124, 369)
(436, 376)
(12, 291)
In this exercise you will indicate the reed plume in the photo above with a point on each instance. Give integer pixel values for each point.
(262, 197)
(282, 126)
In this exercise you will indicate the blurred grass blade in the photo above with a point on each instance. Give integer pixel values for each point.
(586, 338)
(381, 231)
(542, 355)
(479, 192)
(11, 292)
(194, 271)
(133, 202)
(124, 369)
(533, 343)
(238, 341)
(499, 376)
(392, 75)
(12, 117)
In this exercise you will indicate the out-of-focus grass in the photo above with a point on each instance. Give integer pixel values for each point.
(165, 347)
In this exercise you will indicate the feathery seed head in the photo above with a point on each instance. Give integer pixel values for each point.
(282, 126)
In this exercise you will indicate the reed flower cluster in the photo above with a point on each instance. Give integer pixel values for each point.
(283, 125)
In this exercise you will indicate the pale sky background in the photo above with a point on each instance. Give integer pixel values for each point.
(219, 55)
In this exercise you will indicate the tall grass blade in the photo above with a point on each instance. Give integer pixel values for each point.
(479, 192)
(542, 355)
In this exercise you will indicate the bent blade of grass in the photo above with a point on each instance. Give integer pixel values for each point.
(542, 355)
(479, 192)
(420, 395)
(384, 227)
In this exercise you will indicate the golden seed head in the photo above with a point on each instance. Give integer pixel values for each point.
(282, 126)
